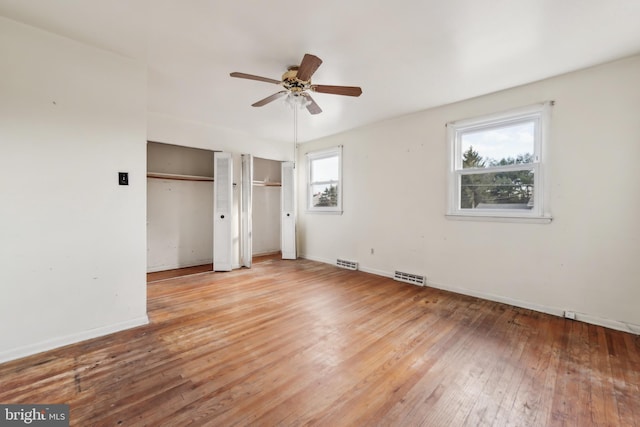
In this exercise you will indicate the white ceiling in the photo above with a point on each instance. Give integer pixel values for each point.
(407, 55)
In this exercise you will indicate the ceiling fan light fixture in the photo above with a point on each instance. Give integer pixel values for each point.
(296, 100)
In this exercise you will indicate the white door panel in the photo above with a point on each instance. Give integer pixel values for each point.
(222, 209)
(246, 232)
(288, 214)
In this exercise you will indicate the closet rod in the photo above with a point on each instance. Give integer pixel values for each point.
(178, 177)
(267, 184)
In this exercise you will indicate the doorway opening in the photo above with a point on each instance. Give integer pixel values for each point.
(266, 203)
(179, 210)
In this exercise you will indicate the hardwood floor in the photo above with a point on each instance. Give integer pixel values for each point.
(197, 269)
(299, 343)
(178, 272)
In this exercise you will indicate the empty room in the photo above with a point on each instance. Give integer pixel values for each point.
(415, 213)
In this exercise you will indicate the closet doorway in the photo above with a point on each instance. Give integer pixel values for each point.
(266, 205)
(179, 210)
(268, 217)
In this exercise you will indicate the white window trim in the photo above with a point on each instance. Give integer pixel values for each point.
(541, 113)
(317, 155)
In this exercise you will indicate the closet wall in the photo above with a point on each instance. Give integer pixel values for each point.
(266, 206)
(179, 206)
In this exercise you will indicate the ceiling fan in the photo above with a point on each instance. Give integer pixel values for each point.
(297, 84)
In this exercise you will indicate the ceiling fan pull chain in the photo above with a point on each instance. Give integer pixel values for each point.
(295, 134)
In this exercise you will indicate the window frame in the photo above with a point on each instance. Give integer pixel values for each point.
(320, 155)
(539, 114)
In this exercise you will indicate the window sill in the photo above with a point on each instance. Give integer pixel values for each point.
(498, 218)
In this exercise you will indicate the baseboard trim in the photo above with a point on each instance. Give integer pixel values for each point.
(158, 268)
(376, 272)
(497, 298)
(313, 258)
(54, 343)
(265, 253)
(582, 317)
(609, 323)
(555, 311)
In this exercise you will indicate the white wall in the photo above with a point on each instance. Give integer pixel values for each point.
(72, 241)
(585, 260)
(172, 130)
(179, 224)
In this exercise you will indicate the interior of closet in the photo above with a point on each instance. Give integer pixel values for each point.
(179, 207)
(266, 206)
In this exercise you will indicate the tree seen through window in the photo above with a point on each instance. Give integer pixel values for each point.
(500, 189)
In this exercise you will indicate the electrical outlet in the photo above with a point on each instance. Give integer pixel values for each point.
(570, 315)
(372, 251)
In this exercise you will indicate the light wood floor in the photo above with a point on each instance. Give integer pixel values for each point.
(178, 272)
(299, 342)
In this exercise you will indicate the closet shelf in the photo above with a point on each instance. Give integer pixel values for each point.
(267, 184)
(179, 177)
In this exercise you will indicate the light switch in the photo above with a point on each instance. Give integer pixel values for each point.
(123, 178)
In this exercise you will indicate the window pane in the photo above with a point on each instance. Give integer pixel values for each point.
(324, 195)
(326, 169)
(498, 146)
(500, 190)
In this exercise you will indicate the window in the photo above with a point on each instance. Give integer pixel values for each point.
(324, 191)
(496, 165)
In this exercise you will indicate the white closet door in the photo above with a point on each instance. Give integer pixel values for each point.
(246, 231)
(288, 215)
(222, 208)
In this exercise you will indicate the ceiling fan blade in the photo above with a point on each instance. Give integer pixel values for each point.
(338, 90)
(308, 66)
(269, 99)
(252, 77)
(313, 108)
